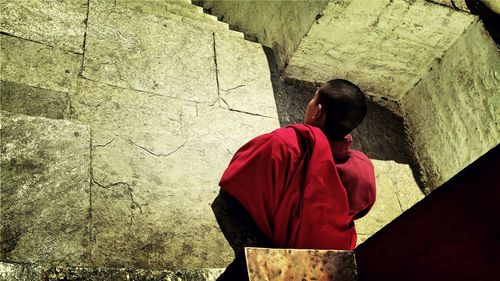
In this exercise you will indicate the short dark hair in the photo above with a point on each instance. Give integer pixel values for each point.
(345, 106)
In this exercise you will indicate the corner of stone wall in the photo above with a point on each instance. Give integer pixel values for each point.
(450, 114)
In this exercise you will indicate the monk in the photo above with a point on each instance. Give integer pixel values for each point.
(301, 186)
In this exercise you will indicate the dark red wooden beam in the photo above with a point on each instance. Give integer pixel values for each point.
(452, 234)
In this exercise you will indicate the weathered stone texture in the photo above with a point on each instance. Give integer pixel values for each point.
(156, 165)
(180, 12)
(126, 111)
(362, 238)
(53, 22)
(244, 77)
(455, 4)
(20, 272)
(31, 272)
(45, 190)
(144, 52)
(397, 191)
(22, 99)
(270, 21)
(387, 48)
(38, 65)
(452, 113)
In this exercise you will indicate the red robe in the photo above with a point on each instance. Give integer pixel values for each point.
(289, 183)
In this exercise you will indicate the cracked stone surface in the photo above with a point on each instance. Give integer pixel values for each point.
(454, 4)
(45, 190)
(31, 272)
(144, 52)
(156, 166)
(244, 76)
(38, 65)
(31, 101)
(53, 22)
(387, 48)
(396, 192)
(453, 112)
(127, 111)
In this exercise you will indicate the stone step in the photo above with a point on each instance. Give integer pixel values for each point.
(397, 191)
(34, 272)
(263, 263)
(186, 13)
(32, 101)
(44, 195)
(159, 7)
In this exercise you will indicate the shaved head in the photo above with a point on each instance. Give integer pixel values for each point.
(345, 106)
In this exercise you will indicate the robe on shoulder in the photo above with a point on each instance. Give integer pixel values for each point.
(298, 196)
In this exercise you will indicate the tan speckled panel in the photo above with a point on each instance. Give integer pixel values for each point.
(304, 264)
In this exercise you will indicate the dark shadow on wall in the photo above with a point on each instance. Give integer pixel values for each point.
(381, 135)
(490, 19)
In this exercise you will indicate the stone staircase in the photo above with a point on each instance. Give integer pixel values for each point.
(118, 118)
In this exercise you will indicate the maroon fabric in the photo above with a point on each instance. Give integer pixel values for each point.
(287, 180)
(357, 175)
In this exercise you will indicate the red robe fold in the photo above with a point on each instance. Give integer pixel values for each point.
(289, 183)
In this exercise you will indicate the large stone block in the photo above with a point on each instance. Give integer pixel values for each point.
(396, 192)
(452, 113)
(38, 65)
(385, 46)
(130, 49)
(22, 99)
(53, 22)
(244, 76)
(156, 164)
(45, 200)
(127, 112)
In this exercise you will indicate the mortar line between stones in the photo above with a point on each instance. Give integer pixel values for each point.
(85, 37)
(41, 43)
(90, 212)
(34, 87)
(216, 69)
(399, 202)
(141, 91)
(453, 4)
(455, 8)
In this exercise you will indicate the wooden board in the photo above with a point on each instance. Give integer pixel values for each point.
(299, 264)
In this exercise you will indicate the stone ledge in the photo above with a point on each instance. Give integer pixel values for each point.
(33, 272)
(44, 195)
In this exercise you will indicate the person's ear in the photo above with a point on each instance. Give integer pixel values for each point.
(319, 112)
(320, 116)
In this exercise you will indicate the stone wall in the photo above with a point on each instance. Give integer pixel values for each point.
(280, 25)
(157, 98)
(160, 96)
(384, 46)
(452, 114)
(426, 61)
